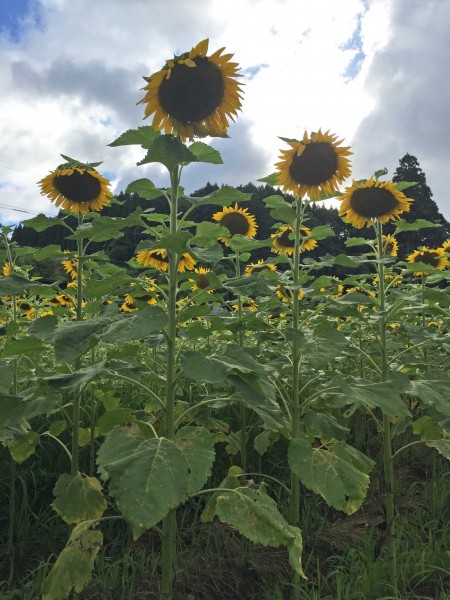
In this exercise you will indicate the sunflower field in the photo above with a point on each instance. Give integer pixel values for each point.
(201, 423)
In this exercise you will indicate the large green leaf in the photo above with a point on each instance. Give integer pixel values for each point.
(74, 338)
(402, 225)
(382, 395)
(41, 222)
(225, 196)
(142, 136)
(442, 446)
(29, 346)
(338, 472)
(14, 285)
(434, 394)
(100, 230)
(145, 189)
(323, 345)
(254, 514)
(204, 153)
(169, 151)
(148, 476)
(15, 409)
(24, 447)
(197, 446)
(73, 567)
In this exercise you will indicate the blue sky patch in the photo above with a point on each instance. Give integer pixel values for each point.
(12, 13)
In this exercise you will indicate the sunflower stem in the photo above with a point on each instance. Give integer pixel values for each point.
(294, 499)
(388, 462)
(169, 522)
(242, 409)
(74, 465)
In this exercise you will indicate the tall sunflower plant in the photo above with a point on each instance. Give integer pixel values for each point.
(167, 458)
(374, 203)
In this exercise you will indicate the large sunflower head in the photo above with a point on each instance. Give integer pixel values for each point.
(316, 164)
(368, 201)
(76, 187)
(237, 220)
(283, 240)
(194, 94)
(259, 266)
(158, 258)
(429, 256)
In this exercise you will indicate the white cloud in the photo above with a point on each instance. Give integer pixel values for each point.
(72, 80)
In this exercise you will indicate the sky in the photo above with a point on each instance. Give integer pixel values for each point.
(370, 71)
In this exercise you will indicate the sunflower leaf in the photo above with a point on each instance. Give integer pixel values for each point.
(78, 498)
(402, 225)
(197, 446)
(271, 179)
(255, 515)
(145, 189)
(41, 223)
(148, 476)
(205, 153)
(403, 185)
(225, 196)
(142, 136)
(73, 567)
(337, 472)
(169, 151)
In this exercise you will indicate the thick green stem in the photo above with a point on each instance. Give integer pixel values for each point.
(169, 522)
(294, 499)
(75, 463)
(388, 462)
(242, 409)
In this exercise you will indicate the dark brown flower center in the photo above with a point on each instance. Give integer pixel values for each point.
(284, 240)
(156, 255)
(373, 202)
(236, 223)
(258, 268)
(78, 187)
(389, 247)
(429, 258)
(317, 164)
(202, 282)
(192, 93)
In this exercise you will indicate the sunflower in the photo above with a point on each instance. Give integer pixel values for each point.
(70, 266)
(128, 304)
(337, 287)
(28, 310)
(158, 258)
(446, 247)
(6, 269)
(369, 201)
(201, 282)
(314, 165)
(237, 220)
(259, 266)
(76, 187)
(248, 304)
(389, 245)
(286, 295)
(194, 94)
(285, 245)
(390, 280)
(429, 256)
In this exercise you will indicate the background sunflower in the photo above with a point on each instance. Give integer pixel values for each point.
(317, 164)
(429, 256)
(76, 187)
(368, 201)
(237, 220)
(284, 243)
(158, 258)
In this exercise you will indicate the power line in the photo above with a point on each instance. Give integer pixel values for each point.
(24, 210)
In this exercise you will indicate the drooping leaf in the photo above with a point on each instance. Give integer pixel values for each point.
(197, 446)
(148, 476)
(78, 498)
(254, 514)
(382, 395)
(24, 447)
(434, 394)
(41, 222)
(225, 196)
(73, 567)
(231, 482)
(15, 409)
(337, 472)
(322, 346)
(29, 346)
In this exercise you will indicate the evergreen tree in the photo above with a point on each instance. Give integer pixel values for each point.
(423, 207)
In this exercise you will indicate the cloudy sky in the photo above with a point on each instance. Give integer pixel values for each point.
(370, 71)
